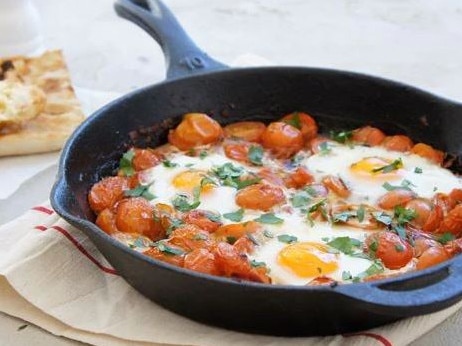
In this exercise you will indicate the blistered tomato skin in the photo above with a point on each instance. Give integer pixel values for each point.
(336, 185)
(135, 215)
(304, 122)
(395, 198)
(194, 130)
(145, 158)
(282, 139)
(250, 131)
(428, 152)
(397, 143)
(368, 135)
(260, 197)
(394, 252)
(106, 193)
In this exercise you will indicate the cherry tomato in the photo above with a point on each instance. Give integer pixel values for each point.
(237, 230)
(322, 281)
(432, 256)
(299, 178)
(195, 129)
(304, 122)
(422, 243)
(231, 264)
(422, 208)
(315, 144)
(395, 198)
(282, 139)
(244, 245)
(237, 151)
(259, 196)
(394, 252)
(250, 131)
(201, 260)
(428, 152)
(269, 176)
(452, 222)
(107, 192)
(135, 215)
(190, 237)
(145, 158)
(397, 143)
(434, 219)
(456, 196)
(454, 247)
(155, 253)
(368, 135)
(444, 201)
(205, 220)
(106, 221)
(336, 185)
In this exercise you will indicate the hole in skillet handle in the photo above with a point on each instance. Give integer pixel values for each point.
(422, 292)
(183, 57)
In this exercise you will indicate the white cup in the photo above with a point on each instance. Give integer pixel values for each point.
(20, 28)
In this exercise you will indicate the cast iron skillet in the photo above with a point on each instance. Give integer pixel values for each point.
(197, 83)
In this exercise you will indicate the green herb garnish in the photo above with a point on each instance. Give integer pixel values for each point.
(346, 245)
(294, 120)
(169, 164)
(361, 213)
(235, 216)
(397, 164)
(269, 218)
(288, 239)
(125, 163)
(418, 170)
(341, 136)
(255, 155)
(162, 246)
(445, 238)
(182, 202)
(140, 191)
(324, 148)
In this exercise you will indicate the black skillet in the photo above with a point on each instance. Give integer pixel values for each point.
(197, 83)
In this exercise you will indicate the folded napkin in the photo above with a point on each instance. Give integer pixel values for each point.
(52, 275)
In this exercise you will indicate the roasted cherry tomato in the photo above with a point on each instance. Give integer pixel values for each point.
(368, 135)
(106, 221)
(395, 198)
(428, 152)
(167, 256)
(195, 129)
(304, 122)
(270, 176)
(250, 131)
(299, 178)
(282, 139)
(452, 222)
(397, 143)
(107, 192)
(456, 196)
(432, 256)
(336, 185)
(136, 215)
(316, 144)
(322, 281)
(237, 151)
(259, 196)
(204, 219)
(236, 230)
(190, 237)
(145, 158)
(201, 260)
(423, 208)
(394, 252)
(244, 245)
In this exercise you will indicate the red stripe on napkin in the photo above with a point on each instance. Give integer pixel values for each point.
(43, 210)
(377, 337)
(79, 247)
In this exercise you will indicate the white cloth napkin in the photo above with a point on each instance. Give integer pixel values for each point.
(52, 275)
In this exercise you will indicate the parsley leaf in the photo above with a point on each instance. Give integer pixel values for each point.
(162, 246)
(181, 202)
(445, 237)
(288, 239)
(300, 199)
(315, 206)
(344, 216)
(125, 163)
(230, 175)
(268, 234)
(203, 154)
(324, 148)
(269, 218)
(294, 120)
(404, 186)
(169, 164)
(140, 191)
(341, 136)
(256, 264)
(255, 155)
(397, 164)
(346, 244)
(404, 215)
(418, 170)
(235, 216)
(382, 217)
(361, 213)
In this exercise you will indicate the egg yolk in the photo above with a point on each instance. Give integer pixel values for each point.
(376, 166)
(308, 259)
(186, 181)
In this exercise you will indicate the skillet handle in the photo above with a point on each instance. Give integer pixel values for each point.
(182, 56)
(427, 291)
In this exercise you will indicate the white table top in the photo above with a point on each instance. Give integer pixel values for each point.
(413, 41)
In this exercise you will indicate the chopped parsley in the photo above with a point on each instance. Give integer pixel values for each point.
(174, 224)
(235, 216)
(230, 175)
(140, 191)
(269, 218)
(294, 120)
(404, 215)
(203, 154)
(288, 239)
(165, 248)
(255, 155)
(343, 216)
(341, 136)
(169, 164)
(182, 202)
(361, 213)
(418, 170)
(346, 244)
(268, 234)
(397, 164)
(405, 185)
(257, 264)
(445, 237)
(125, 163)
(324, 148)
(300, 199)
(382, 217)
